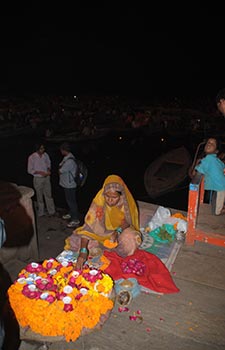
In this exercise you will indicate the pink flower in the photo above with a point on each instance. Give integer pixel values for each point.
(78, 296)
(50, 299)
(38, 294)
(31, 294)
(133, 318)
(68, 307)
(45, 283)
(93, 275)
(133, 266)
(54, 288)
(25, 289)
(60, 296)
(123, 309)
(34, 267)
(49, 265)
(72, 281)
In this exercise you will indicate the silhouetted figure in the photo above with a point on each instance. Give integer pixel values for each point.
(18, 229)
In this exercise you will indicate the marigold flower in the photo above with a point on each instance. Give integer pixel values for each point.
(109, 244)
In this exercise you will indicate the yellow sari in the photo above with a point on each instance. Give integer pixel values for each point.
(102, 220)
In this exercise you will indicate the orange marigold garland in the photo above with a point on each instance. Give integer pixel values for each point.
(55, 299)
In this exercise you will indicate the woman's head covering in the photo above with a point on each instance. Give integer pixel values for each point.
(116, 184)
(110, 185)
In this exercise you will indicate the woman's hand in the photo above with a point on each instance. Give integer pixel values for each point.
(114, 237)
(82, 257)
(83, 254)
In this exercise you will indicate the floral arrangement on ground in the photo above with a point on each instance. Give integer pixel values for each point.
(55, 299)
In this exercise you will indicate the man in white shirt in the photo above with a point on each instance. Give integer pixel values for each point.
(39, 166)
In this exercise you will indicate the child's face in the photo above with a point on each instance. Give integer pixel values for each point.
(221, 106)
(211, 146)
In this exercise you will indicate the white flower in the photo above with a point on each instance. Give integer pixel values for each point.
(44, 296)
(67, 300)
(34, 265)
(21, 280)
(83, 291)
(75, 274)
(67, 289)
(32, 287)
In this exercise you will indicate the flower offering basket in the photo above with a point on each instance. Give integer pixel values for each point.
(55, 302)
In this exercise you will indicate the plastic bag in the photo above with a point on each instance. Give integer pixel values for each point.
(164, 234)
(159, 218)
(180, 224)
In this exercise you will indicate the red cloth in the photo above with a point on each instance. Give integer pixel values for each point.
(156, 277)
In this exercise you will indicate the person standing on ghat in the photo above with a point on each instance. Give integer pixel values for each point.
(67, 180)
(39, 166)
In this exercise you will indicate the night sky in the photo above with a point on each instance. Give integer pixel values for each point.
(112, 48)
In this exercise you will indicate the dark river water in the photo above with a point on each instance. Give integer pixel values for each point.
(125, 154)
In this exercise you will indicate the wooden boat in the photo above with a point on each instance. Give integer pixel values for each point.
(167, 171)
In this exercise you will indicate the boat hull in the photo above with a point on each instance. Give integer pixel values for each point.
(167, 171)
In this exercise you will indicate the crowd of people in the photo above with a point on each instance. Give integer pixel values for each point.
(51, 115)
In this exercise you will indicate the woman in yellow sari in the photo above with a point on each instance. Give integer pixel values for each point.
(112, 220)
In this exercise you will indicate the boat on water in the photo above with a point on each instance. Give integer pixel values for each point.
(167, 171)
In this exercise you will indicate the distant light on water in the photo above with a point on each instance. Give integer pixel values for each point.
(162, 139)
(120, 137)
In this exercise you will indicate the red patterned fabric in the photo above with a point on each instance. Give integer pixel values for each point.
(156, 277)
